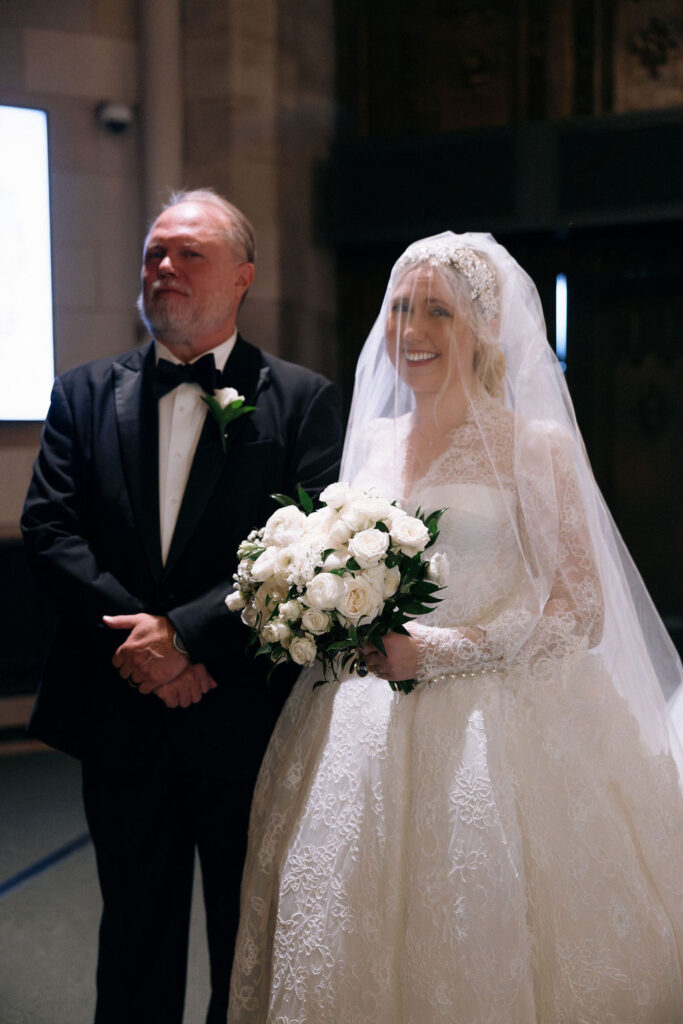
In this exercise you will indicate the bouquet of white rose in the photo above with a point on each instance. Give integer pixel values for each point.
(323, 583)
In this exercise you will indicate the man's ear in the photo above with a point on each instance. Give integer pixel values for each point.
(245, 276)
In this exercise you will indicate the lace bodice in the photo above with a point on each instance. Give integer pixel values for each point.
(513, 597)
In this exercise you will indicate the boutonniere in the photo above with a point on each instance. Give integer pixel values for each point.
(225, 405)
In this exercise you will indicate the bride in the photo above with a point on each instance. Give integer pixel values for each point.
(502, 845)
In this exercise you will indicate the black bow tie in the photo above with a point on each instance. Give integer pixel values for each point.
(166, 376)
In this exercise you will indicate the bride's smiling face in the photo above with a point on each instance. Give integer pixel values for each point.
(428, 337)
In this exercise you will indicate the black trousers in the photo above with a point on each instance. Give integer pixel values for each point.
(145, 830)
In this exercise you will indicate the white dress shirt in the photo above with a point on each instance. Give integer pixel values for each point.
(181, 418)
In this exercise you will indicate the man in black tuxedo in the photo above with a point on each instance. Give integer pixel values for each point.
(132, 523)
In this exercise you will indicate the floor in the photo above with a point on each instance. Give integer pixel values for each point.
(49, 898)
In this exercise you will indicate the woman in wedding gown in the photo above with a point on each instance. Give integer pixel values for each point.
(502, 845)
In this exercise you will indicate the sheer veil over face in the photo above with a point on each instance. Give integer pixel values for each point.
(459, 351)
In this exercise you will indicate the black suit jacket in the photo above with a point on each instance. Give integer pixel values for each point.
(91, 529)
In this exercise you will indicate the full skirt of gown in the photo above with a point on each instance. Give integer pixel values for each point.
(458, 856)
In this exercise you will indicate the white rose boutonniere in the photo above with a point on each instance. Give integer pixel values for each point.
(226, 405)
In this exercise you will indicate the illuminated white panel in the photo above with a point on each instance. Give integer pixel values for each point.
(561, 319)
(26, 338)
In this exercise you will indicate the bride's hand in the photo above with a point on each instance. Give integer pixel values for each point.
(400, 661)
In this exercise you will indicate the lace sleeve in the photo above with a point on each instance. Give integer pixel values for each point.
(531, 627)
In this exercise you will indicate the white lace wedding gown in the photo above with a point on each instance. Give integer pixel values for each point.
(498, 847)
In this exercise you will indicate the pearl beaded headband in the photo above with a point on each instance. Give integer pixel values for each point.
(473, 267)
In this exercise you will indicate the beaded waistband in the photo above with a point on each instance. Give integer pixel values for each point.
(445, 677)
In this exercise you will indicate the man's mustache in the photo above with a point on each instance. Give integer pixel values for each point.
(158, 286)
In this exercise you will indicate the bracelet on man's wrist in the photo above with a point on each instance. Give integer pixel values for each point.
(179, 645)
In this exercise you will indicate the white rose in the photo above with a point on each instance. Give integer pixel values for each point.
(359, 514)
(290, 611)
(318, 523)
(395, 513)
(438, 569)
(272, 590)
(275, 631)
(335, 495)
(284, 633)
(236, 601)
(302, 650)
(337, 559)
(224, 396)
(265, 565)
(369, 547)
(410, 535)
(390, 584)
(338, 534)
(361, 599)
(315, 621)
(323, 591)
(250, 616)
(380, 508)
(286, 526)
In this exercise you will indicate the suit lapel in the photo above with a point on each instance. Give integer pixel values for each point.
(246, 372)
(136, 414)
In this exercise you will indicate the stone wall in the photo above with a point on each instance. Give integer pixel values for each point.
(259, 82)
(65, 58)
(257, 121)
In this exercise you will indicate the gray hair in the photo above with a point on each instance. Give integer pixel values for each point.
(240, 234)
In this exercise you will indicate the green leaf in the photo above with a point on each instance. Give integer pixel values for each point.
(381, 526)
(213, 404)
(414, 608)
(264, 649)
(233, 412)
(423, 587)
(272, 669)
(305, 500)
(283, 499)
(405, 685)
(341, 645)
(352, 564)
